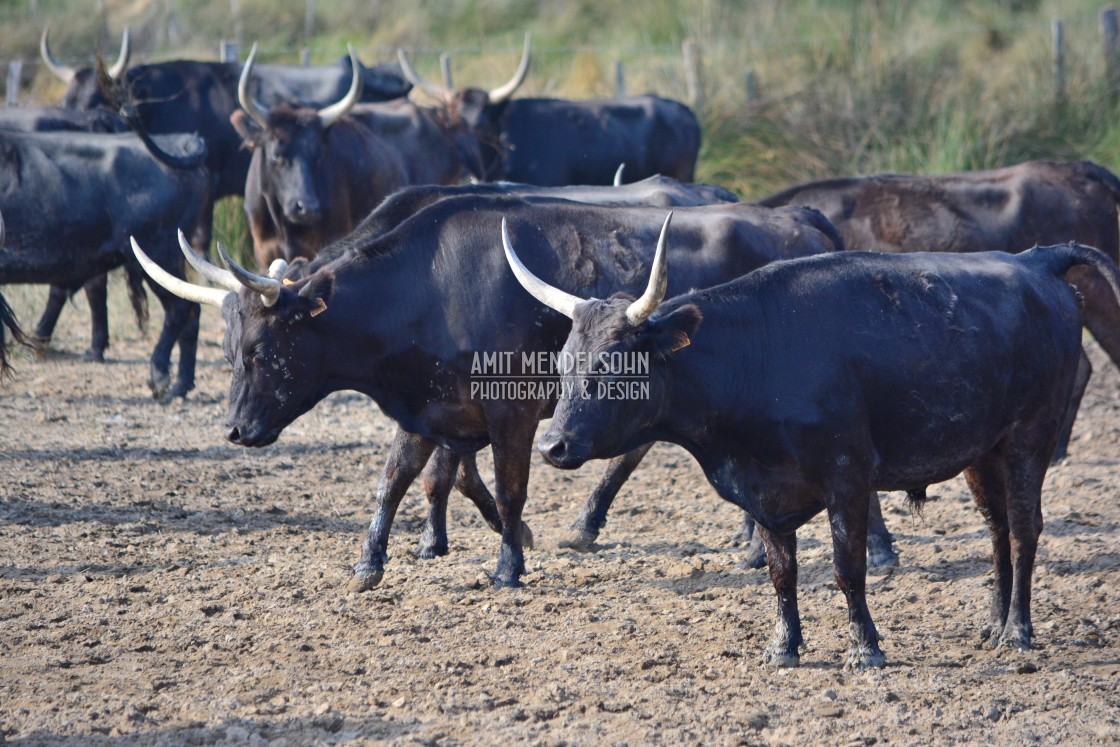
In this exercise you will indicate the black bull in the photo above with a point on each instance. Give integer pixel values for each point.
(557, 142)
(57, 119)
(71, 200)
(808, 383)
(199, 96)
(519, 139)
(351, 325)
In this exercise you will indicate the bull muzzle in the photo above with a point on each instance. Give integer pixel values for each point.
(561, 452)
(303, 212)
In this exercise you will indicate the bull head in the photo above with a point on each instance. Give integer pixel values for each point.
(65, 73)
(231, 279)
(554, 298)
(327, 116)
(447, 94)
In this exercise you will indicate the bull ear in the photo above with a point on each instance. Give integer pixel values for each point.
(668, 334)
(247, 128)
(316, 292)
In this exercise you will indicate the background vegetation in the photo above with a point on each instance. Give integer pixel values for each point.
(843, 87)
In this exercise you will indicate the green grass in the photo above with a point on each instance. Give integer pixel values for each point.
(846, 87)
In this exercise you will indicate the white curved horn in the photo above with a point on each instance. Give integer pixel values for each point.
(251, 107)
(498, 95)
(553, 298)
(215, 275)
(267, 287)
(443, 94)
(118, 68)
(65, 73)
(640, 310)
(618, 174)
(181, 288)
(336, 111)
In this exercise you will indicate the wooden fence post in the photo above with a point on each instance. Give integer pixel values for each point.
(305, 57)
(692, 79)
(174, 38)
(1058, 38)
(445, 70)
(34, 11)
(1110, 35)
(227, 50)
(750, 84)
(235, 11)
(15, 68)
(619, 80)
(309, 20)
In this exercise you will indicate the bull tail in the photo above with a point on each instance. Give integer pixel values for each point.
(1058, 259)
(8, 320)
(134, 277)
(818, 220)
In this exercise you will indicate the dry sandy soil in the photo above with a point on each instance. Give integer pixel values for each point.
(160, 586)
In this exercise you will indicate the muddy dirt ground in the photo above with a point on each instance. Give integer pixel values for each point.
(160, 586)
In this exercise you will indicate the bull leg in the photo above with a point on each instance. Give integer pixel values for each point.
(593, 517)
(188, 352)
(176, 315)
(880, 547)
(1084, 371)
(784, 649)
(847, 513)
(1024, 522)
(986, 479)
(756, 548)
(55, 301)
(407, 456)
(469, 483)
(512, 444)
(200, 237)
(97, 296)
(436, 479)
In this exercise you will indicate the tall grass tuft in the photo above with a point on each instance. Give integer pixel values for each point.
(845, 87)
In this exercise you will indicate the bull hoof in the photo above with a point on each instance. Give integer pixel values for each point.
(507, 583)
(181, 389)
(161, 388)
(426, 550)
(526, 536)
(860, 660)
(881, 556)
(755, 558)
(1015, 637)
(583, 541)
(364, 581)
(741, 538)
(94, 356)
(779, 658)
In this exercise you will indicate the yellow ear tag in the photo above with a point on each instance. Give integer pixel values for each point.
(320, 308)
(285, 281)
(680, 340)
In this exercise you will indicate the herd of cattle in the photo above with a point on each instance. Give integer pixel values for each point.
(802, 374)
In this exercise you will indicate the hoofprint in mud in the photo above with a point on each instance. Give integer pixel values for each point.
(160, 584)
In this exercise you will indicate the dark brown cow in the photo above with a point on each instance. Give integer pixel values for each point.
(316, 173)
(1009, 209)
